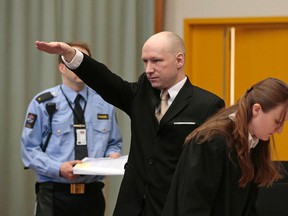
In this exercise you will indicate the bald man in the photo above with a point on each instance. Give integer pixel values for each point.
(156, 144)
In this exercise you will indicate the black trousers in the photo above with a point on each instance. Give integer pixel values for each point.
(55, 199)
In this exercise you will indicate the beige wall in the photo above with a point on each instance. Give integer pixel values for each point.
(177, 11)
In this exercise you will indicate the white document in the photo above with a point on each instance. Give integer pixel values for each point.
(101, 166)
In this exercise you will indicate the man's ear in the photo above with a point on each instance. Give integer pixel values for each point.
(180, 60)
(256, 109)
(61, 67)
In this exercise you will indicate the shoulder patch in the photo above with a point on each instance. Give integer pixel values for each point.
(45, 96)
(30, 120)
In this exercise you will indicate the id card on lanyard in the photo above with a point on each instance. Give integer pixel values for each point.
(80, 132)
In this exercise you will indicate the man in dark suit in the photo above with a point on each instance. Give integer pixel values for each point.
(155, 146)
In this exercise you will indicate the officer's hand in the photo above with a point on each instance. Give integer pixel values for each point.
(66, 169)
(114, 155)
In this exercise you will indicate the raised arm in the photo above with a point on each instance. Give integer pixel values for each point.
(59, 48)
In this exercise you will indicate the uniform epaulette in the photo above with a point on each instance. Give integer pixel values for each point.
(45, 96)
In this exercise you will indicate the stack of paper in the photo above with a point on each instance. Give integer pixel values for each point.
(101, 166)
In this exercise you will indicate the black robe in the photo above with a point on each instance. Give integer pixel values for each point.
(206, 183)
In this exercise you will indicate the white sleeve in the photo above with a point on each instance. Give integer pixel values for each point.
(76, 61)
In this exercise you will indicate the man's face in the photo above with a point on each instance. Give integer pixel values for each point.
(160, 64)
(69, 77)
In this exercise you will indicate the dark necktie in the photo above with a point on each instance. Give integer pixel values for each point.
(80, 150)
(163, 105)
(78, 111)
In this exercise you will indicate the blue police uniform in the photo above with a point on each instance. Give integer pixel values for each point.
(103, 135)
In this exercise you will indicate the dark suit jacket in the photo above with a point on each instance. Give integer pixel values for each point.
(155, 148)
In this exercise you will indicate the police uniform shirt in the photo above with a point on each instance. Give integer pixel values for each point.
(103, 134)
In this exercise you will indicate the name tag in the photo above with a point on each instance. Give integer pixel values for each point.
(102, 116)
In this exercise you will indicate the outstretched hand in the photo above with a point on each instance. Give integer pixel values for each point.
(59, 48)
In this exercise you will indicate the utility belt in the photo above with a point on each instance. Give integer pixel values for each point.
(77, 188)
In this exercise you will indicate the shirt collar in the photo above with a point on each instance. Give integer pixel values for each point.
(252, 141)
(174, 90)
(71, 94)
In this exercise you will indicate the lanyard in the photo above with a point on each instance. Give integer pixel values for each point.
(70, 103)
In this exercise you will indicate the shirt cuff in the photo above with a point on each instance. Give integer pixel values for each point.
(54, 170)
(76, 61)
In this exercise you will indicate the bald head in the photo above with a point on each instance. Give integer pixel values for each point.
(169, 41)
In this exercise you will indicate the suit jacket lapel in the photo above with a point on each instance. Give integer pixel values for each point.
(179, 103)
(153, 98)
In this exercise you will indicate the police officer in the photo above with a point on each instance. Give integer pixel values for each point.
(56, 137)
